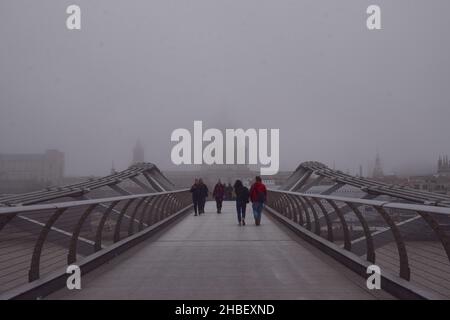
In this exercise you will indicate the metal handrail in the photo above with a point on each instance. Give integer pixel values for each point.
(379, 203)
(61, 224)
(303, 208)
(301, 180)
(81, 188)
(78, 203)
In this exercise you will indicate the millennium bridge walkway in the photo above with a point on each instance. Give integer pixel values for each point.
(134, 236)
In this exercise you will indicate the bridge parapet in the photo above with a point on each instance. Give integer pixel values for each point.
(311, 173)
(407, 239)
(145, 176)
(37, 240)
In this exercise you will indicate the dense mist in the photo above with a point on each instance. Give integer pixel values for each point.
(141, 69)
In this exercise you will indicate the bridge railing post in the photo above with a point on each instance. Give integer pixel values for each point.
(72, 230)
(346, 212)
(36, 257)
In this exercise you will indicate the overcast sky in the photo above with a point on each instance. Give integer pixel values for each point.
(140, 69)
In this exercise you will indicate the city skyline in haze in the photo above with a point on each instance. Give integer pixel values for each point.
(337, 92)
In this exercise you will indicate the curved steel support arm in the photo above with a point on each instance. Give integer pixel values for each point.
(370, 248)
(72, 256)
(327, 219)
(33, 273)
(347, 241)
(101, 225)
(405, 273)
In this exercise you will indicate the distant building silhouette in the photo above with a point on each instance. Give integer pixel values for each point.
(378, 169)
(138, 153)
(443, 166)
(26, 172)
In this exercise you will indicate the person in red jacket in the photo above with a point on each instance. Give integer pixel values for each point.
(258, 196)
(218, 194)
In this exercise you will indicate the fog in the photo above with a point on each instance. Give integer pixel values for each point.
(143, 68)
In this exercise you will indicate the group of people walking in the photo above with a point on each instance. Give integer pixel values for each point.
(199, 192)
(257, 195)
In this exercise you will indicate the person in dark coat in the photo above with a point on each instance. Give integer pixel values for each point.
(229, 192)
(242, 195)
(218, 194)
(202, 194)
(195, 196)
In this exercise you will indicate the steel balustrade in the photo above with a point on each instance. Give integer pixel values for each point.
(142, 209)
(157, 182)
(301, 181)
(43, 236)
(291, 205)
(37, 237)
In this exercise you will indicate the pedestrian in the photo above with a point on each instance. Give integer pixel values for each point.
(202, 194)
(258, 196)
(218, 194)
(242, 195)
(229, 192)
(195, 196)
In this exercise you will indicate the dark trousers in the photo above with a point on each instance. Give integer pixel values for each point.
(196, 208)
(201, 205)
(240, 208)
(219, 204)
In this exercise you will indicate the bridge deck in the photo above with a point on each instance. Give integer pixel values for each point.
(211, 257)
